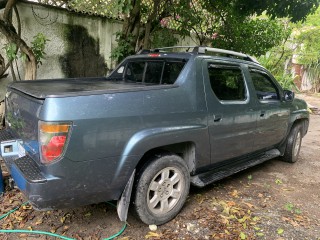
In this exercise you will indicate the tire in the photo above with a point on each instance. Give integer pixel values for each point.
(161, 189)
(294, 140)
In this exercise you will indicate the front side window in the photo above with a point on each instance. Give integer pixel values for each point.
(265, 88)
(227, 83)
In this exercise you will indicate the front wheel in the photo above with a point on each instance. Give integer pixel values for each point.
(162, 189)
(293, 144)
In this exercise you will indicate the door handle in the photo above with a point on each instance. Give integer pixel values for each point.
(262, 113)
(217, 118)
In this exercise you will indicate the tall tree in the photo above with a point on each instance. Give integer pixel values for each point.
(231, 25)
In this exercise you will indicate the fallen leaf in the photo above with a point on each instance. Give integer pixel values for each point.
(62, 219)
(242, 220)
(27, 207)
(250, 205)
(231, 203)
(255, 219)
(88, 214)
(234, 194)
(242, 236)
(66, 228)
(152, 234)
(280, 231)
(38, 222)
(287, 189)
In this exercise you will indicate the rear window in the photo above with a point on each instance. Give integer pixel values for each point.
(149, 72)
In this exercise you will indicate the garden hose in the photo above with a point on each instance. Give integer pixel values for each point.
(49, 233)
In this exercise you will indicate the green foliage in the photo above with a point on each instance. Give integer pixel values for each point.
(287, 81)
(252, 36)
(123, 6)
(291, 208)
(278, 181)
(163, 37)
(232, 26)
(242, 236)
(11, 51)
(307, 40)
(296, 10)
(38, 46)
(16, 123)
(123, 49)
(280, 231)
(276, 61)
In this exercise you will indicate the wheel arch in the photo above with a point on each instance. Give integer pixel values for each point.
(304, 121)
(186, 150)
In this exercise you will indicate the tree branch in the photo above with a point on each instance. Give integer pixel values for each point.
(8, 9)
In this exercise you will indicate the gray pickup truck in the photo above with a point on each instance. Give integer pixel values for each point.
(159, 122)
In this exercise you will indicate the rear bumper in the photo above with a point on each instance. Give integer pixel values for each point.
(47, 192)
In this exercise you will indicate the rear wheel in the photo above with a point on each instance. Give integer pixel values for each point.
(162, 189)
(293, 144)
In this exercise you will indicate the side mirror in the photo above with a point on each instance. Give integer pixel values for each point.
(288, 95)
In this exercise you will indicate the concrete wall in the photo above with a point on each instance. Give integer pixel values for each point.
(81, 38)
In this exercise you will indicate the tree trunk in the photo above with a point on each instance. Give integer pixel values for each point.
(131, 25)
(31, 64)
(8, 30)
(148, 26)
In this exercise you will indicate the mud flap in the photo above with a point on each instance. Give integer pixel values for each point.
(124, 202)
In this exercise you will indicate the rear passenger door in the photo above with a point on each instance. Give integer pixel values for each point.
(272, 121)
(231, 119)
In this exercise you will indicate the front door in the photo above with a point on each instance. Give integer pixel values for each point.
(272, 120)
(231, 118)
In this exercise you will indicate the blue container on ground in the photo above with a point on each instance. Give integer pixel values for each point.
(1, 182)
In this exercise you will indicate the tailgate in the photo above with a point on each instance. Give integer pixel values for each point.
(21, 118)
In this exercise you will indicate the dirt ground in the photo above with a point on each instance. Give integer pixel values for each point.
(275, 200)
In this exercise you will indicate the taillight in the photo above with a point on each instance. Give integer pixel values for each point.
(52, 140)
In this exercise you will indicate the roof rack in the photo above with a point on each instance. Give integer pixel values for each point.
(203, 50)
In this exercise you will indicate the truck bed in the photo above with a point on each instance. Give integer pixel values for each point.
(41, 89)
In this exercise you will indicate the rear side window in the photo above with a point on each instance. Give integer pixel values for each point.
(171, 72)
(149, 72)
(265, 88)
(227, 83)
(134, 71)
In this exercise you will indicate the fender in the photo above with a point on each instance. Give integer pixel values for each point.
(296, 115)
(300, 112)
(148, 139)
